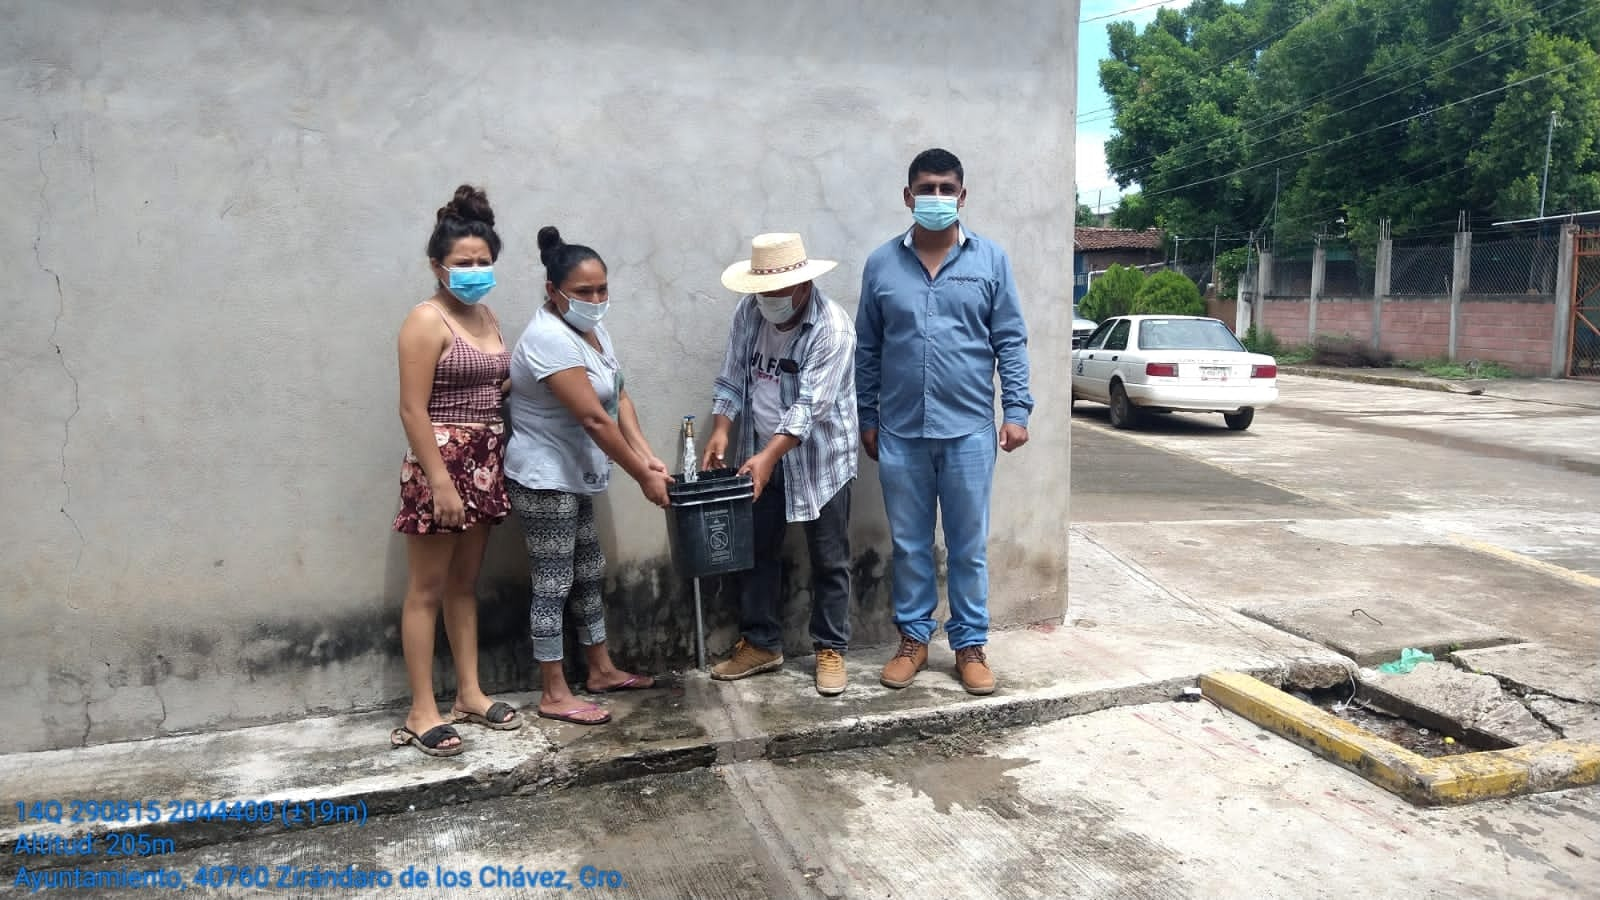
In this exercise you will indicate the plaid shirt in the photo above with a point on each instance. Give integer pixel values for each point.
(819, 400)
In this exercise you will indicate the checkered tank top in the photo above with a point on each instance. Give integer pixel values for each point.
(466, 380)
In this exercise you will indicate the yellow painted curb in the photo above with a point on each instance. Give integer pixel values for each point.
(1549, 766)
(1522, 559)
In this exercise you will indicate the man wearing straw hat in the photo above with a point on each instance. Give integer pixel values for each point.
(789, 380)
(939, 317)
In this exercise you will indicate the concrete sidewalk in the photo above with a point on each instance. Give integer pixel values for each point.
(1128, 641)
(1579, 394)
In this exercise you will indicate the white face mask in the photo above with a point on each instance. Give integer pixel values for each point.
(584, 316)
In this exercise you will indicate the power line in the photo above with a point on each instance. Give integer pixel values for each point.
(1120, 12)
(1327, 116)
(1431, 53)
(1351, 137)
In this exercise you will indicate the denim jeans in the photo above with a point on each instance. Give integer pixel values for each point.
(953, 477)
(761, 589)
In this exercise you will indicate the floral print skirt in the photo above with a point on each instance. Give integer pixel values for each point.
(474, 455)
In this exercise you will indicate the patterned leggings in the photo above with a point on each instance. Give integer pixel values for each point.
(566, 560)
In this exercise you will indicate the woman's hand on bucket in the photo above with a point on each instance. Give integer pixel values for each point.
(654, 484)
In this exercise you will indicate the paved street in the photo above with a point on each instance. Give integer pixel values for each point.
(1461, 516)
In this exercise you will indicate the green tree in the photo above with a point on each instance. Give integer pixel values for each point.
(1085, 215)
(1169, 293)
(1287, 118)
(1112, 294)
(1133, 212)
(1230, 265)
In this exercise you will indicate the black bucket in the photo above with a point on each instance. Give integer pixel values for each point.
(711, 524)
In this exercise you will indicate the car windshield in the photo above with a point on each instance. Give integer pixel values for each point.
(1186, 334)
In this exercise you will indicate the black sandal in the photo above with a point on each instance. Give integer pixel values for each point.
(429, 742)
(500, 716)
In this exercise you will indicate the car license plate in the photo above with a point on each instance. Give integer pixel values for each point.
(1213, 373)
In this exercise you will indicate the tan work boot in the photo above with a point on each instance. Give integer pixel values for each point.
(747, 660)
(973, 668)
(830, 672)
(910, 659)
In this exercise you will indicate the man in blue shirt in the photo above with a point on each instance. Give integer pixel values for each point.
(939, 315)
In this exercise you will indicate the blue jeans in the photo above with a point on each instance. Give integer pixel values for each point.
(953, 476)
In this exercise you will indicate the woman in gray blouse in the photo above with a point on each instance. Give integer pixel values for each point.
(571, 418)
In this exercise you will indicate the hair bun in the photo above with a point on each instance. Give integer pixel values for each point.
(470, 204)
(549, 241)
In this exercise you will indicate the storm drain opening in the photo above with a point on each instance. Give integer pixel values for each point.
(1434, 738)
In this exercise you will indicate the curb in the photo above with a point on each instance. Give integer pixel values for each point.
(548, 769)
(1451, 780)
(1421, 384)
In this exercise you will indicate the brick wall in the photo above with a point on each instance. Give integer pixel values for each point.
(1416, 328)
(1515, 334)
(1512, 331)
(1344, 317)
(1286, 319)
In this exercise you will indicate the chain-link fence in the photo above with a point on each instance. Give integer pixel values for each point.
(1421, 269)
(1291, 276)
(1344, 272)
(1519, 265)
(1197, 272)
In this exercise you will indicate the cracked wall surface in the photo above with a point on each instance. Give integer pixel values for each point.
(217, 224)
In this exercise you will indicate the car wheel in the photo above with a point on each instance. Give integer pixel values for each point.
(1240, 420)
(1123, 413)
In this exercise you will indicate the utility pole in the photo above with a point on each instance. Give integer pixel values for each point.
(1544, 183)
(1277, 181)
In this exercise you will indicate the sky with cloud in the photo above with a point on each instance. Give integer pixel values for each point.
(1094, 118)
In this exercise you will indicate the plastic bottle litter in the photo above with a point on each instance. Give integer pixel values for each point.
(690, 467)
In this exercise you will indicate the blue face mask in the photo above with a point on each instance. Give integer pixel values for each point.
(470, 284)
(934, 213)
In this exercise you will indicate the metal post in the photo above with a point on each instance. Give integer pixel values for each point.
(699, 629)
(1544, 183)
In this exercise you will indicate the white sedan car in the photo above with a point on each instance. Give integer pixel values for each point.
(1138, 364)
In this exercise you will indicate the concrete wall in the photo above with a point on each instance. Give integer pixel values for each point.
(217, 220)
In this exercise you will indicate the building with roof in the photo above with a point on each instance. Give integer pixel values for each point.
(1096, 249)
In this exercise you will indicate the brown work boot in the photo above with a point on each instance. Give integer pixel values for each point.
(910, 659)
(973, 669)
(830, 672)
(747, 660)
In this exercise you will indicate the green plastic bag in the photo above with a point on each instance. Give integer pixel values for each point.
(1409, 657)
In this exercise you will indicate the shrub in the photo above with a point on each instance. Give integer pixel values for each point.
(1349, 352)
(1111, 294)
(1261, 340)
(1169, 293)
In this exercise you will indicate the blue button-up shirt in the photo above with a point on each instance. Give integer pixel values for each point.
(927, 349)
